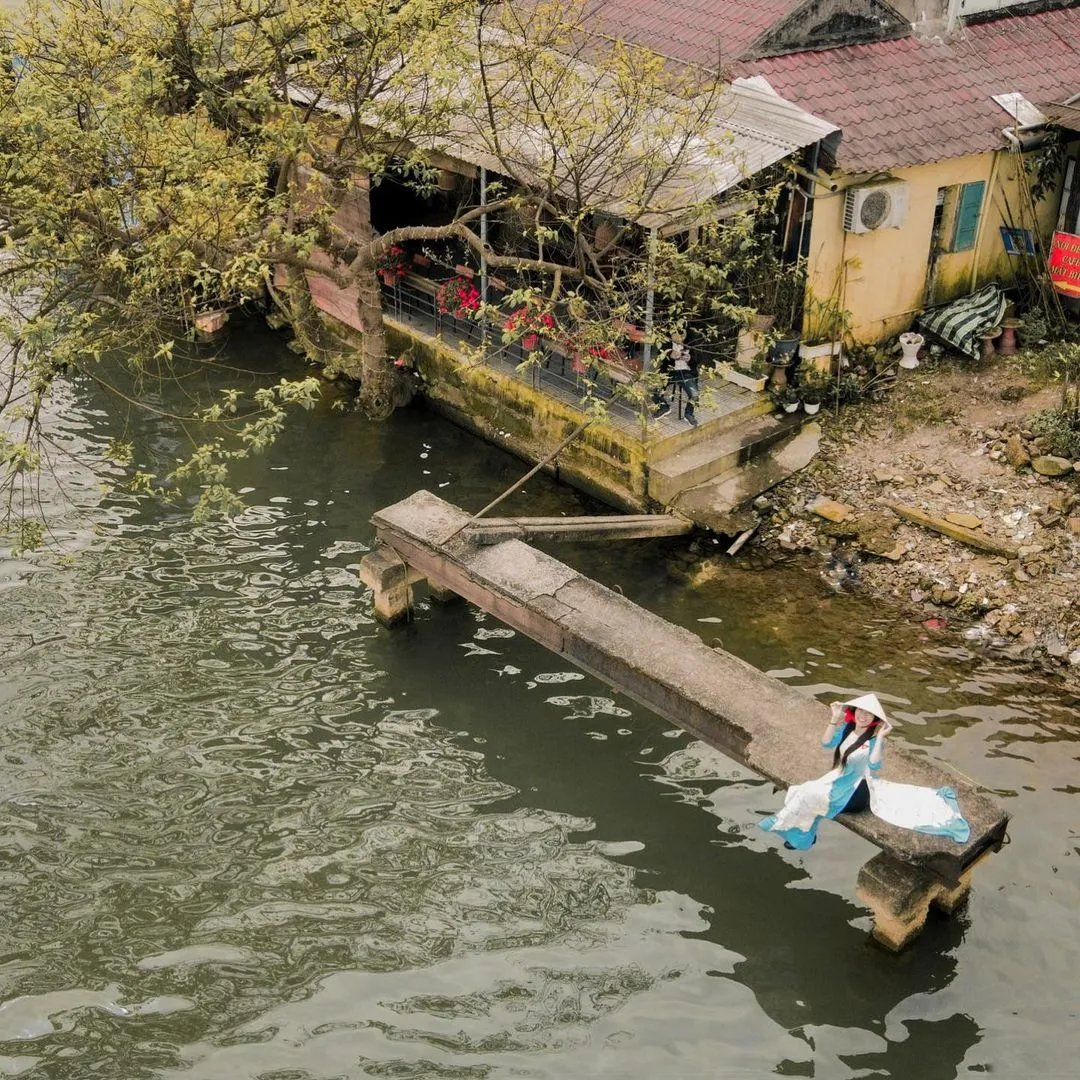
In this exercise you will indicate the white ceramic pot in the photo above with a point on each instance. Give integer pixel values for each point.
(811, 408)
(791, 406)
(911, 344)
(819, 357)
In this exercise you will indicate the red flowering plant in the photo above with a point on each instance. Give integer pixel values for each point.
(598, 344)
(459, 297)
(393, 266)
(528, 323)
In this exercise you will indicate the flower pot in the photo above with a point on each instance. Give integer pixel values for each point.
(910, 345)
(742, 378)
(819, 357)
(811, 407)
(784, 350)
(1007, 345)
(791, 406)
(988, 351)
(747, 347)
(752, 341)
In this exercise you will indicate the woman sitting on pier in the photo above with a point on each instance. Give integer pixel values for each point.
(856, 735)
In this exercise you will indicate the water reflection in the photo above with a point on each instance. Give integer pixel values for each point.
(246, 832)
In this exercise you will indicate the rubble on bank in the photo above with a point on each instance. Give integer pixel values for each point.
(952, 445)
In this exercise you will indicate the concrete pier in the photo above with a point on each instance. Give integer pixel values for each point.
(752, 718)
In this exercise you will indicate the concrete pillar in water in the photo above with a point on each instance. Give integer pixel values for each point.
(440, 594)
(390, 578)
(900, 897)
(209, 324)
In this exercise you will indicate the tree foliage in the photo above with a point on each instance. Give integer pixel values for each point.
(164, 158)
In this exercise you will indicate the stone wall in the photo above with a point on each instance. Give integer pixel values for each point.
(602, 461)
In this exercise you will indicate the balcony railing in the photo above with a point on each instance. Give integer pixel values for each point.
(413, 301)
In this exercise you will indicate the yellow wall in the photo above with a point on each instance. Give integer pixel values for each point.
(880, 276)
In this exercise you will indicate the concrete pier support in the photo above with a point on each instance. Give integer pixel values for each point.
(441, 595)
(900, 896)
(390, 579)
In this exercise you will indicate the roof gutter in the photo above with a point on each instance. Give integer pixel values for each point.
(1025, 137)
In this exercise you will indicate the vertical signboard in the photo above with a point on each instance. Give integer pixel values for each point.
(1065, 263)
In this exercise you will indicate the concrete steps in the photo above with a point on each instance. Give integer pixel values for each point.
(725, 450)
(721, 504)
(739, 406)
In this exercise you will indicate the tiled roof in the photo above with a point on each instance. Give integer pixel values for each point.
(694, 31)
(909, 102)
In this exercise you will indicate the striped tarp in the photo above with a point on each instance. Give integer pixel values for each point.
(960, 323)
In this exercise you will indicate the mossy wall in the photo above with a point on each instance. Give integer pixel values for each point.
(602, 461)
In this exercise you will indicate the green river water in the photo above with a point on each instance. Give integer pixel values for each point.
(246, 832)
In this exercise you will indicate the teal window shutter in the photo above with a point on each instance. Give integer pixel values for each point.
(968, 208)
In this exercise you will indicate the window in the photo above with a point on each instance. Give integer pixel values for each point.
(969, 200)
(1017, 241)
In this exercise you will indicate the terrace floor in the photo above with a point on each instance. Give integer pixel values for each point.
(410, 303)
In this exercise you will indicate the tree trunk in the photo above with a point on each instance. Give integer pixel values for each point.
(376, 397)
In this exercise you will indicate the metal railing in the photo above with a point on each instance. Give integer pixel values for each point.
(413, 301)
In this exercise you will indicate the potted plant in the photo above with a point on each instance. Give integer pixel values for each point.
(824, 325)
(459, 297)
(754, 377)
(528, 323)
(788, 292)
(393, 266)
(812, 390)
(786, 398)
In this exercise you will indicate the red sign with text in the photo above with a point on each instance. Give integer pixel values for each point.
(1065, 263)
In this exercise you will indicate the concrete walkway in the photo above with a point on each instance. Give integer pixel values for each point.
(753, 719)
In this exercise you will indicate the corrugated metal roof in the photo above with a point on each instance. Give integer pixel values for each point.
(753, 128)
(1068, 116)
(912, 101)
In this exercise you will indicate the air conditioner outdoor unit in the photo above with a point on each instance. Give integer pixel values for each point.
(875, 206)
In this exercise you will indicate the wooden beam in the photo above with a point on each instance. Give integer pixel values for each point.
(971, 537)
(602, 527)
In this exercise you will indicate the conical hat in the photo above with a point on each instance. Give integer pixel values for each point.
(870, 703)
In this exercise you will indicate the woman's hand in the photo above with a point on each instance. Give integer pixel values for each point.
(837, 710)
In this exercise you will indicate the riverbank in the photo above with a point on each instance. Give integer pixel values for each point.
(952, 441)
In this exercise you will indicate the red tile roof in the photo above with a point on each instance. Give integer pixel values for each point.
(909, 102)
(694, 31)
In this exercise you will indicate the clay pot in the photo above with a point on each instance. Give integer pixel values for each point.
(1007, 345)
(988, 350)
